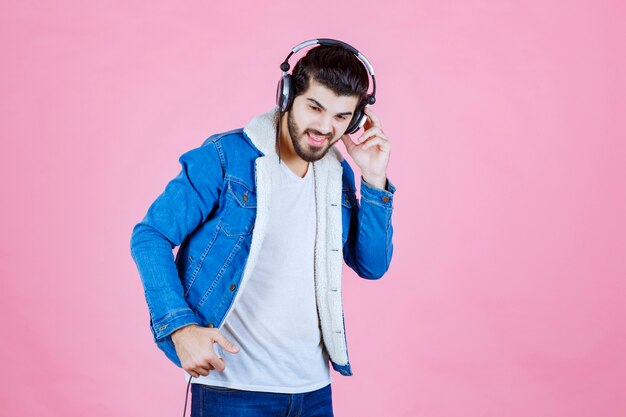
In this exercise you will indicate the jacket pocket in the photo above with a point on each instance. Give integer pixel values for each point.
(216, 388)
(240, 212)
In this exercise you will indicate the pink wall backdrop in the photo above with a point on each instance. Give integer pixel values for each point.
(505, 296)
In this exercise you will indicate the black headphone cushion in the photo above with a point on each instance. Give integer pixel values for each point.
(356, 118)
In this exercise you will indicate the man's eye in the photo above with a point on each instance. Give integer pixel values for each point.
(314, 108)
(341, 117)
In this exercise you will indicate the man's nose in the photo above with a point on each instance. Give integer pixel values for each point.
(325, 126)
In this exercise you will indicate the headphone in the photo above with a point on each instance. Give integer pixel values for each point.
(285, 93)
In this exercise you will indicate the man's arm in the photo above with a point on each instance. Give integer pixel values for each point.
(369, 246)
(186, 202)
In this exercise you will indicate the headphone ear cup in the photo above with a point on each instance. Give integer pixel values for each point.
(357, 120)
(284, 93)
(288, 91)
(279, 95)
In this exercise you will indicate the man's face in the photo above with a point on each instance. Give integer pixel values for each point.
(317, 120)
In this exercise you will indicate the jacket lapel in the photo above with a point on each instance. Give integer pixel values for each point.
(261, 132)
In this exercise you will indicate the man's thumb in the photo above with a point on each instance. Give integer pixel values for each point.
(226, 344)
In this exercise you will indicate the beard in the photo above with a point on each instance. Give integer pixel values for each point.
(300, 144)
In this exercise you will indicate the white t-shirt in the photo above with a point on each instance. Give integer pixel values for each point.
(275, 321)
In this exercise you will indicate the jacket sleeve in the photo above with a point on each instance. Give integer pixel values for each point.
(369, 247)
(186, 202)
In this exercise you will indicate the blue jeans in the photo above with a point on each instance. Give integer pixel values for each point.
(209, 401)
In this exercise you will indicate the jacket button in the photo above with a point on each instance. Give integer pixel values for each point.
(385, 198)
(210, 325)
(245, 196)
(232, 287)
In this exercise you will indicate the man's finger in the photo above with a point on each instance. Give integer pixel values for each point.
(369, 133)
(384, 144)
(226, 344)
(204, 368)
(219, 364)
(372, 116)
(192, 373)
(202, 371)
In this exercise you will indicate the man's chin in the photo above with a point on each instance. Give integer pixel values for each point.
(313, 155)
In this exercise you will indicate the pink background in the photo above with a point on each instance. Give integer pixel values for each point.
(506, 292)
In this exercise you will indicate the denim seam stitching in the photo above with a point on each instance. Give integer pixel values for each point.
(219, 275)
(220, 153)
(388, 206)
(199, 264)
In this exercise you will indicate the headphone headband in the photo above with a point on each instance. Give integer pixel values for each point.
(332, 42)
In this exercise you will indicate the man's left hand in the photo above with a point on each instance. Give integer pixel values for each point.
(371, 151)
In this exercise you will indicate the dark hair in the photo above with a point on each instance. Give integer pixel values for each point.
(335, 68)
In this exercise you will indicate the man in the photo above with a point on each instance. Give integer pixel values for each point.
(264, 215)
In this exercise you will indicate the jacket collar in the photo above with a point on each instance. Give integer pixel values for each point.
(261, 131)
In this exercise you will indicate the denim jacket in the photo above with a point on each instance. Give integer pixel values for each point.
(216, 210)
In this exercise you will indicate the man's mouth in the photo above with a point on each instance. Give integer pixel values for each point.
(314, 140)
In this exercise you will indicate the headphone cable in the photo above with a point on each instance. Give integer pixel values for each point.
(280, 113)
(186, 395)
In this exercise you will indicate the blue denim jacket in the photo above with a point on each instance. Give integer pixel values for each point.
(216, 211)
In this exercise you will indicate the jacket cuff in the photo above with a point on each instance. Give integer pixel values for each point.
(376, 195)
(172, 322)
